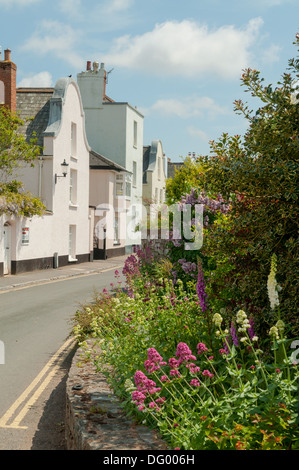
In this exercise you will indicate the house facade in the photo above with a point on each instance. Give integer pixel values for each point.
(60, 178)
(154, 173)
(108, 200)
(115, 130)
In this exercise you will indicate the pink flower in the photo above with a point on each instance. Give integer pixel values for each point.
(207, 373)
(184, 353)
(164, 378)
(195, 383)
(174, 372)
(201, 348)
(152, 404)
(193, 368)
(160, 400)
(139, 377)
(173, 362)
(153, 358)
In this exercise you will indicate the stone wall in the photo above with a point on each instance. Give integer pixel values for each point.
(94, 417)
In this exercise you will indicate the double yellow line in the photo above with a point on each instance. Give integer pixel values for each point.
(17, 412)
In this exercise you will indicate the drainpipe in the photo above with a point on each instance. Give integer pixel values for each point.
(40, 177)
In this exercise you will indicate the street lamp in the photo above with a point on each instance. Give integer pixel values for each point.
(64, 166)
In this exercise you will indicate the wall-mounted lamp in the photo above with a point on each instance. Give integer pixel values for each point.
(64, 167)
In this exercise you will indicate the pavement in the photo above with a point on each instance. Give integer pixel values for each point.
(16, 281)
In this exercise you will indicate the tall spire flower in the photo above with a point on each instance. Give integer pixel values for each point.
(201, 288)
(272, 284)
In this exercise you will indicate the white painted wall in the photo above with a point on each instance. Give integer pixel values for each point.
(110, 129)
(50, 233)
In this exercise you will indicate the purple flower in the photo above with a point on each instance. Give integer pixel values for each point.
(251, 330)
(234, 334)
(201, 290)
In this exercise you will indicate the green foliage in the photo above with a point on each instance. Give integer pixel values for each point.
(15, 152)
(14, 148)
(230, 396)
(15, 201)
(257, 175)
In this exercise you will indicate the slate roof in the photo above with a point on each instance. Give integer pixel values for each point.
(146, 159)
(33, 106)
(98, 162)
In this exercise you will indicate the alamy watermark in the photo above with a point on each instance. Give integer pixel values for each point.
(177, 222)
(2, 353)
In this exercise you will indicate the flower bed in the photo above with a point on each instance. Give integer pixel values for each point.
(203, 379)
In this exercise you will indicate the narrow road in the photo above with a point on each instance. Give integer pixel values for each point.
(35, 323)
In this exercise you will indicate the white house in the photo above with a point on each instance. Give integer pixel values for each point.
(115, 130)
(64, 233)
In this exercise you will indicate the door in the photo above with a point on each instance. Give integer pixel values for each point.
(7, 249)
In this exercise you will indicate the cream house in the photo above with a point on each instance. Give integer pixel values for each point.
(109, 198)
(60, 178)
(154, 173)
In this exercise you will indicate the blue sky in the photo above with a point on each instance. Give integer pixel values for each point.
(179, 62)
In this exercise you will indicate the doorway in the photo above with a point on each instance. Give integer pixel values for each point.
(7, 249)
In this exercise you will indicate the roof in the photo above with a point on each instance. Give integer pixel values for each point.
(98, 162)
(149, 158)
(33, 107)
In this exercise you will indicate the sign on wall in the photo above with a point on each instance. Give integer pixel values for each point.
(25, 235)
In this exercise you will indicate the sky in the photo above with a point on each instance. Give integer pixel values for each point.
(179, 62)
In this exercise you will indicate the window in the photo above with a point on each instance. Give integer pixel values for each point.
(128, 185)
(119, 185)
(73, 187)
(2, 93)
(135, 134)
(116, 230)
(72, 243)
(134, 173)
(73, 139)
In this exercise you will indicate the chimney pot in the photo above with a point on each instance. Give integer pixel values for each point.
(7, 54)
(88, 65)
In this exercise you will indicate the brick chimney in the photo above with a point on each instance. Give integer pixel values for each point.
(8, 78)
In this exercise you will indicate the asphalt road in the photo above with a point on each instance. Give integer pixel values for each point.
(35, 323)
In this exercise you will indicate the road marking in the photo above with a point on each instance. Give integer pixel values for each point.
(48, 371)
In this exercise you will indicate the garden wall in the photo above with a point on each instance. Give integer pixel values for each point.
(94, 417)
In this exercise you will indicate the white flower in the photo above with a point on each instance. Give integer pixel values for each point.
(274, 332)
(217, 319)
(254, 338)
(272, 284)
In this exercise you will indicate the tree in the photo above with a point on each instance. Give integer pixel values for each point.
(257, 175)
(16, 152)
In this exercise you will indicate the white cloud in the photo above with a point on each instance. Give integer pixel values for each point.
(118, 5)
(70, 7)
(12, 3)
(187, 49)
(271, 54)
(190, 107)
(42, 79)
(198, 133)
(56, 38)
